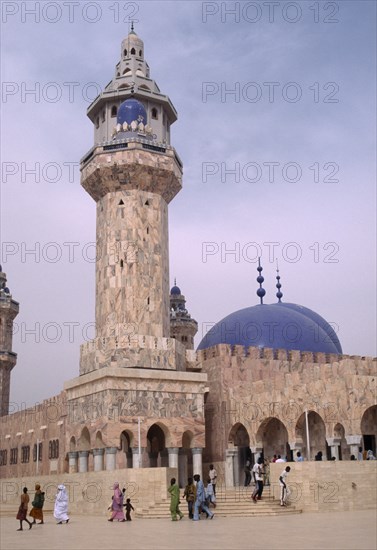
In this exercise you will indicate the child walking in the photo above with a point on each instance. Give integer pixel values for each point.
(129, 507)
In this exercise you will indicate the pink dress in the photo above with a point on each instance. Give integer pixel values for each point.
(117, 504)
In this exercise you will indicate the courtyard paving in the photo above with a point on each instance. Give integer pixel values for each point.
(317, 531)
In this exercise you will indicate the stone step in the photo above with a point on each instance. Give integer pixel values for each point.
(248, 513)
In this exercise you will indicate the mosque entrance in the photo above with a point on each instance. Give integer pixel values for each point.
(272, 437)
(157, 452)
(369, 429)
(239, 437)
(370, 443)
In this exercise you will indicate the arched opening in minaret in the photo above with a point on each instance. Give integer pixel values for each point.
(84, 441)
(99, 444)
(139, 72)
(125, 53)
(154, 113)
(157, 452)
(114, 111)
(140, 53)
(126, 450)
(144, 87)
(126, 71)
(133, 51)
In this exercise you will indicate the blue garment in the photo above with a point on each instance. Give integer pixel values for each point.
(200, 501)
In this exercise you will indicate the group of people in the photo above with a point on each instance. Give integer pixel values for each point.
(258, 476)
(60, 508)
(198, 497)
(265, 472)
(117, 505)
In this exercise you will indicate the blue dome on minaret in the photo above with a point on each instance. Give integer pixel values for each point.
(131, 110)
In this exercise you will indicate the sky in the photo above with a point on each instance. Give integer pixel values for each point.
(276, 131)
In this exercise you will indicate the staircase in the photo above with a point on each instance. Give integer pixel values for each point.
(232, 502)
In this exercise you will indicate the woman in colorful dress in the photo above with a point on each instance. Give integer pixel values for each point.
(39, 498)
(117, 505)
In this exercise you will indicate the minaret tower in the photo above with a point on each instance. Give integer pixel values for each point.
(132, 173)
(8, 311)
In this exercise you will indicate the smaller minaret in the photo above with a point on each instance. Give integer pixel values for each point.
(182, 327)
(8, 311)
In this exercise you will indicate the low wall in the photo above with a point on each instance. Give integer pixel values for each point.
(330, 485)
(91, 492)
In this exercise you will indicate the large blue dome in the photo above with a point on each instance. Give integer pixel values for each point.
(131, 110)
(278, 326)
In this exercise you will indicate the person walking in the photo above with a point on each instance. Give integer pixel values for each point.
(22, 510)
(266, 472)
(190, 495)
(213, 477)
(258, 479)
(200, 502)
(117, 505)
(128, 507)
(36, 512)
(283, 486)
(61, 505)
(174, 500)
(247, 471)
(210, 495)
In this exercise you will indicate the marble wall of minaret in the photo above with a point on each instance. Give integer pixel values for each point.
(8, 311)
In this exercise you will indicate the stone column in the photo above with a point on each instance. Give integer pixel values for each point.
(72, 462)
(98, 459)
(197, 461)
(136, 463)
(173, 457)
(334, 444)
(354, 441)
(83, 461)
(230, 459)
(110, 457)
(182, 467)
(257, 453)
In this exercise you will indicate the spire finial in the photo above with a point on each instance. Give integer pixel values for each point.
(175, 281)
(279, 294)
(260, 292)
(132, 25)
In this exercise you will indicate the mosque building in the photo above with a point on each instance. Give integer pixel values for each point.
(269, 378)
